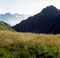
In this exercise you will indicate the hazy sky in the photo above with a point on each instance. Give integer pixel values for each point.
(30, 7)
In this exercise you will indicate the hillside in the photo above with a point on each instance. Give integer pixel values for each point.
(47, 21)
(5, 26)
(29, 45)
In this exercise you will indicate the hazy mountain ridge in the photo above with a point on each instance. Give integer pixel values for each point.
(47, 21)
(12, 19)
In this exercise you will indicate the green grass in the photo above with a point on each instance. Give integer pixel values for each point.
(29, 45)
(3, 27)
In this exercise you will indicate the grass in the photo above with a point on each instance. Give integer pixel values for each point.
(3, 27)
(29, 45)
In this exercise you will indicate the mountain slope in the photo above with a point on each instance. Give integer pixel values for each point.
(47, 21)
(5, 26)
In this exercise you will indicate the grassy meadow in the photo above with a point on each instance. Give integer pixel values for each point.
(29, 45)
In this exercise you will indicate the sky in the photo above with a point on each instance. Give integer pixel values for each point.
(28, 7)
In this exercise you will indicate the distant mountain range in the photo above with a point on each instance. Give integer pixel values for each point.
(47, 21)
(12, 19)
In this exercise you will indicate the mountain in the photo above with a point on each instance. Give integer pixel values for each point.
(5, 26)
(58, 9)
(47, 21)
(12, 19)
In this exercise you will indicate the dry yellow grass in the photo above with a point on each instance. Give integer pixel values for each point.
(27, 39)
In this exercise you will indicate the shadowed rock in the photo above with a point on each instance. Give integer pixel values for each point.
(47, 21)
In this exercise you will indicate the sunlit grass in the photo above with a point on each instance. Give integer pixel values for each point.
(30, 43)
